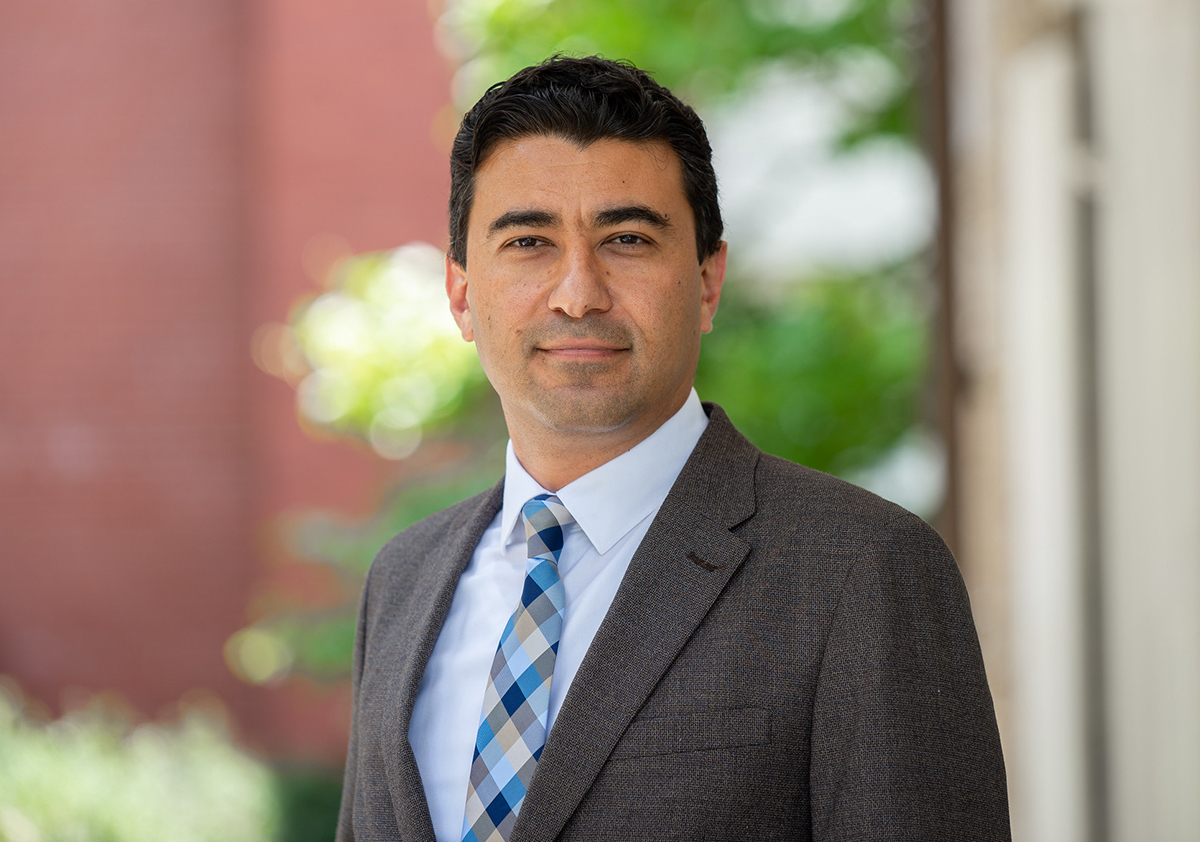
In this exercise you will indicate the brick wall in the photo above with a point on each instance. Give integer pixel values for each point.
(162, 168)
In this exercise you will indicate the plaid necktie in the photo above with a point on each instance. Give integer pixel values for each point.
(512, 729)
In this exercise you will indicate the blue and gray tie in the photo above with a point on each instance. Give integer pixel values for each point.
(512, 728)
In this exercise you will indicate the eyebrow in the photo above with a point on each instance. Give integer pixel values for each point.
(522, 219)
(603, 219)
(632, 213)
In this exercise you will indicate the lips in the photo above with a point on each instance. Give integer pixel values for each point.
(576, 346)
(581, 354)
(581, 357)
(593, 341)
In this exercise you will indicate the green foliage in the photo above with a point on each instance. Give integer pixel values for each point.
(327, 539)
(309, 800)
(829, 378)
(387, 359)
(320, 643)
(701, 50)
(89, 777)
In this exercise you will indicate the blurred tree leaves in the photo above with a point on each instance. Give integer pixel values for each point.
(96, 776)
(92, 776)
(829, 377)
(318, 642)
(700, 50)
(386, 360)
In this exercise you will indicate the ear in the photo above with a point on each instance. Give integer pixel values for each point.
(712, 277)
(456, 291)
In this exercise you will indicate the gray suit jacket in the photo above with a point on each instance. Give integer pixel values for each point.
(787, 657)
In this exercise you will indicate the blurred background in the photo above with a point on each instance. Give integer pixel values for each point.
(965, 273)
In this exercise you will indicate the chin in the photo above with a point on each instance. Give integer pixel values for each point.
(576, 413)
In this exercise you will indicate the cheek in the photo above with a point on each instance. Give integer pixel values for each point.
(499, 327)
(672, 314)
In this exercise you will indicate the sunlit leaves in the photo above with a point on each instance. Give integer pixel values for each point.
(387, 359)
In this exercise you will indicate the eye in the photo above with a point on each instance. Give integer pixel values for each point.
(526, 242)
(628, 240)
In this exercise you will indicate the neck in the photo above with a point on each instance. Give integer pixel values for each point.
(556, 458)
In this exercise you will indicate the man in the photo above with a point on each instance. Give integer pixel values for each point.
(649, 628)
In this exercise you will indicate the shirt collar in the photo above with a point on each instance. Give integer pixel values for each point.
(610, 500)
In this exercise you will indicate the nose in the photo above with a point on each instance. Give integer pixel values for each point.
(582, 286)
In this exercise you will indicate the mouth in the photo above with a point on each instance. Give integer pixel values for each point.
(581, 350)
(593, 342)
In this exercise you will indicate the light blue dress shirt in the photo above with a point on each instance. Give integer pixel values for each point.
(613, 507)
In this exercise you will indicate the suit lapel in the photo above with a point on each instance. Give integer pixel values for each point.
(681, 567)
(434, 591)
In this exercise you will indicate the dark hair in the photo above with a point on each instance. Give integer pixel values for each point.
(584, 100)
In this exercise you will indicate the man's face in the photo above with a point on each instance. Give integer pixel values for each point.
(582, 290)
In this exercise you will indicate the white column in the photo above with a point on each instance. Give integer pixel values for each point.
(1040, 314)
(1148, 84)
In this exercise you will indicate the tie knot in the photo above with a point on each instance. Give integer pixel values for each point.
(545, 518)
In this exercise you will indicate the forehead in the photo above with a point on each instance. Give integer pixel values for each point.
(556, 174)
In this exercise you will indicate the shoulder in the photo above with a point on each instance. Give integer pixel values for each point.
(826, 505)
(751, 490)
(863, 564)
(867, 568)
(799, 503)
(813, 524)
